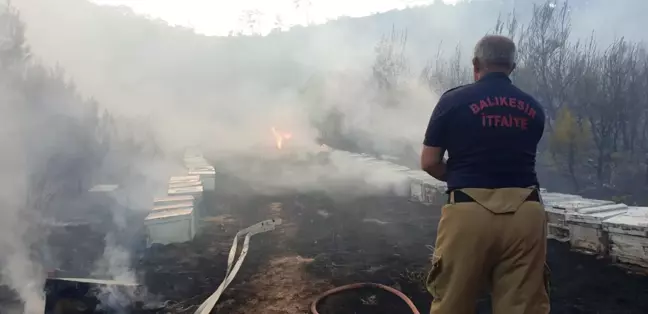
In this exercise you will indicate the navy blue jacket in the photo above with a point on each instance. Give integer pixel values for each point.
(491, 131)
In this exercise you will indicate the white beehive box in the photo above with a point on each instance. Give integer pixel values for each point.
(416, 190)
(188, 178)
(556, 226)
(628, 236)
(586, 227)
(185, 184)
(426, 189)
(195, 191)
(550, 199)
(196, 163)
(557, 206)
(170, 226)
(200, 167)
(173, 206)
(434, 191)
(416, 178)
(171, 200)
(207, 177)
(416, 186)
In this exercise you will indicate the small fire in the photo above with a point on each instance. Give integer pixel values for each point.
(280, 137)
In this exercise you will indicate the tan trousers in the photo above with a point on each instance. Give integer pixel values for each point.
(496, 244)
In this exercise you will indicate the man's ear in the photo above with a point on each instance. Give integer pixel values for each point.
(476, 65)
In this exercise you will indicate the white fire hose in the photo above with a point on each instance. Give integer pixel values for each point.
(264, 226)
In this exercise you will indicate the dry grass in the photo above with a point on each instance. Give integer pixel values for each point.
(284, 287)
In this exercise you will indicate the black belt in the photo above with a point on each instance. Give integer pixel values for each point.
(461, 197)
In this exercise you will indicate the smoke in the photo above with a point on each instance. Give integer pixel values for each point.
(222, 93)
(128, 204)
(116, 265)
(159, 100)
(18, 270)
(167, 88)
(333, 172)
(55, 147)
(369, 113)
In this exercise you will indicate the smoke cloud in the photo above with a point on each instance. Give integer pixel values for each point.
(133, 93)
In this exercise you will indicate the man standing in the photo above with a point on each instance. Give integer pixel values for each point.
(492, 232)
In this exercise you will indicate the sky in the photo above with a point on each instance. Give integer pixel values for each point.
(220, 17)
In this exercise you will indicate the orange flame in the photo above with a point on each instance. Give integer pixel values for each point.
(280, 137)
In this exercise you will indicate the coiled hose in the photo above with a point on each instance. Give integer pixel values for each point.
(399, 294)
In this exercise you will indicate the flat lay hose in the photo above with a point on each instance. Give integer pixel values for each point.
(328, 293)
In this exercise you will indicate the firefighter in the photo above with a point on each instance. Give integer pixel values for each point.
(492, 232)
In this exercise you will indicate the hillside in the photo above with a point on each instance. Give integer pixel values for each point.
(232, 90)
(123, 58)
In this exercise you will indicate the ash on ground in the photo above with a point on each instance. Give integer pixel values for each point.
(382, 239)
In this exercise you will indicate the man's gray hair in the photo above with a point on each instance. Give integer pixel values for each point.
(495, 50)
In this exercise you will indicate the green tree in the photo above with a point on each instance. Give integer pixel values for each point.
(569, 142)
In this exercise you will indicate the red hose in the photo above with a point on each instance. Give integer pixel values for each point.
(321, 297)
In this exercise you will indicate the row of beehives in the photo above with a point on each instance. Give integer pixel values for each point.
(590, 226)
(175, 217)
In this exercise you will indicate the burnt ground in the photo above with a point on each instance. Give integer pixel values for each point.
(329, 241)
